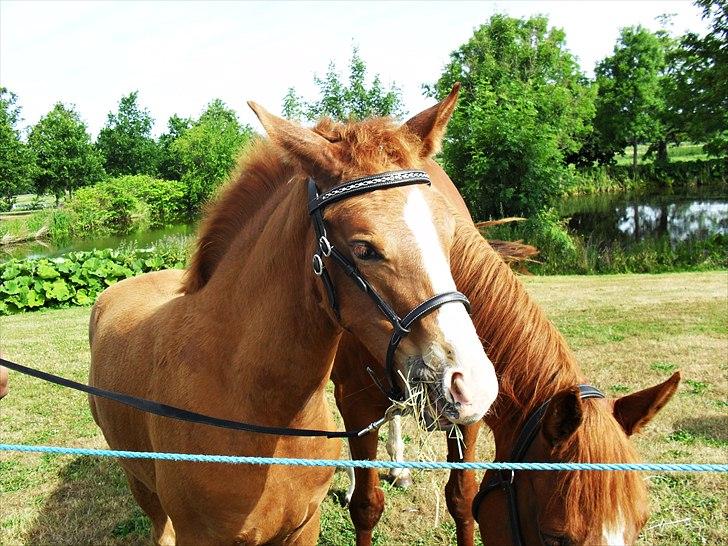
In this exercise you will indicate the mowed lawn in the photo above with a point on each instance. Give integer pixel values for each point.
(628, 332)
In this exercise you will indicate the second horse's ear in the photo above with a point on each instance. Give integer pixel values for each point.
(635, 410)
(316, 155)
(563, 416)
(429, 125)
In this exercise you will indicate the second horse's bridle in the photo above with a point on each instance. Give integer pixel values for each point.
(325, 249)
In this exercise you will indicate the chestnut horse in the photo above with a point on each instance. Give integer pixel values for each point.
(248, 333)
(535, 366)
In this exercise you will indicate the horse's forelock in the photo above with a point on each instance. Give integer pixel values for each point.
(610, 499)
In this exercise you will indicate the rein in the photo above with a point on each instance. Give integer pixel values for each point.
(401, 326)
(504, 479)
(164, 410)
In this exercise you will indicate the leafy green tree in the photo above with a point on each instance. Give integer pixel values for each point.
(293, 105)
(699, 97)
(631, 99)
(209, 150)
(170, 165)
(126, 140)
(342, 101)
(16, 160)
(65, 157)
(524, 105)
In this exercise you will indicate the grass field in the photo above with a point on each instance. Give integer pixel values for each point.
(628, 331)
(683, 152)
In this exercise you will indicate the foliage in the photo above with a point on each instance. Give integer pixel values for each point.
(343, 102)
(75, 278)
(605, 178)
(700, 81)
(65, 157)
(120, 205)
(125, 141)
(523, 106)
(16, 160)
(208, 151)
(631, 99)
(170, 165)
(564, 253)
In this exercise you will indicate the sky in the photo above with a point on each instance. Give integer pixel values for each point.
(181, 55)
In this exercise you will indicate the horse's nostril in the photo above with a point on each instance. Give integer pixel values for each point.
(458, 389)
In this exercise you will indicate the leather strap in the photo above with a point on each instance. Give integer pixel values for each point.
(164, 410)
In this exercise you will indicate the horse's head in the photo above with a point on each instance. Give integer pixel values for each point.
(577, 507)
(3, 381)
(397, 239)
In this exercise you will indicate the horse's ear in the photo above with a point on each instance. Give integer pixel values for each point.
(635, 410)
(314, 152)
(429, 125)
(563, 416)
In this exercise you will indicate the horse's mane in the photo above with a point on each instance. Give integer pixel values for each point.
(367, 146)
(534, 362)
(260, 172)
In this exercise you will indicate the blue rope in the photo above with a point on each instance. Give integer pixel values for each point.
(420, 465)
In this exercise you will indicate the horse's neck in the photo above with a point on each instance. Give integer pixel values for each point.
(263, 307)
(530, 356)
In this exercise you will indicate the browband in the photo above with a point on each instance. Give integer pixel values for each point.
(366, 184)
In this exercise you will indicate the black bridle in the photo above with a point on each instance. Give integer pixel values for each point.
(503, 479)
(325, 249)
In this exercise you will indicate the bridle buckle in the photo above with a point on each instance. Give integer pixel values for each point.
(325, 246)
(318, 265)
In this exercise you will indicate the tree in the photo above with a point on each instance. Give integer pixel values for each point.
(170, 165)
(65, 157)
(343, 102)
(208, 151)
(700, 81)
(16, 160)
(126, 142)
(631, 99)
(293, 105)
(524, 104)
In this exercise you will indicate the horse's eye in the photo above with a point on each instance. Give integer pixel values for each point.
(364, 251)
(555, 540)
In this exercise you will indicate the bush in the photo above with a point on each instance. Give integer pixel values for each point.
(120, 205)
(77, 278)
(620, 177)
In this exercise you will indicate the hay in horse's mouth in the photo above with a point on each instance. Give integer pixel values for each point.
(426, 399)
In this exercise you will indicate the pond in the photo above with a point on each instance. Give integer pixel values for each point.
(37, 249)
(621, 217)
(629, 218)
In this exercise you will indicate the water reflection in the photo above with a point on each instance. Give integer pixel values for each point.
(630, 218)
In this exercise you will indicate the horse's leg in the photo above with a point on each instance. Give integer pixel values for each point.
(367, 501)
(461, 486)
(401, 477)
(163, 532)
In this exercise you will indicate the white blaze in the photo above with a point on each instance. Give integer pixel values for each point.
(613, 535)
(452, 318)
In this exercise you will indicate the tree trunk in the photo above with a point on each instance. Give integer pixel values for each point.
(661, 158)
(634, 160)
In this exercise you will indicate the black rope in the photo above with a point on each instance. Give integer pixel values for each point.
(173, 412)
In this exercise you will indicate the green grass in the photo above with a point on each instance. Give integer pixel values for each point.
(682, 152)
(628, 332)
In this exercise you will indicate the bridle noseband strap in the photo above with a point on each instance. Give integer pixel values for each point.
(401, 326)
(503, 479)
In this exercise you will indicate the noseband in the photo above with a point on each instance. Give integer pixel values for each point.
(326, 249)
(503, 479)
